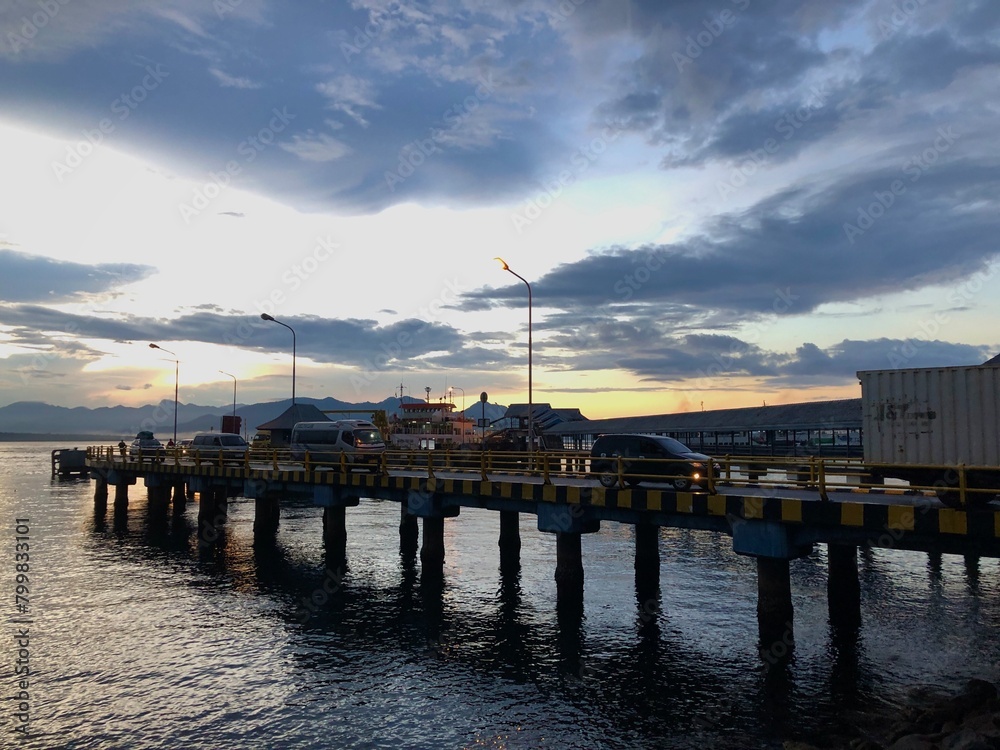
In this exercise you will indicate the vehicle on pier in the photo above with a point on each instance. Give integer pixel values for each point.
(210, 446)
(146, 447)
(357, 440)
(647, 458)
(921, 423)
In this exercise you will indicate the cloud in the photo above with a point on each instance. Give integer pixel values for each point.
(237, 82)
(315, 147)
(32, 278)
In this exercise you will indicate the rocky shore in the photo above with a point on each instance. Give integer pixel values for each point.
(968, 720)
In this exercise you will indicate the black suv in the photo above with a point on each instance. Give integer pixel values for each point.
(646, 457)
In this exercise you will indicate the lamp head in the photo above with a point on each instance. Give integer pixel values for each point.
(503, 264)
(153, 346)
(265, 316)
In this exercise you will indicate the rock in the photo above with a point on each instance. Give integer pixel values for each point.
(985, 724)
(966, 739)
(859, 744)
(916, 742)
(792, 745)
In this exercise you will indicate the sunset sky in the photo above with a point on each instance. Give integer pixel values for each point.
(716, 204)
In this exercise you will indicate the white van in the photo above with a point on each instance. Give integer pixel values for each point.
(360, 441)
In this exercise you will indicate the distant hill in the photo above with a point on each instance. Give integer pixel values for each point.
(24, 419)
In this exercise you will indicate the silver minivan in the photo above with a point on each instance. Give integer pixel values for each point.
(358, 440)
(209, 446)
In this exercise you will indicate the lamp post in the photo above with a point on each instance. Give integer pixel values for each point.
(531, 424)
(265, 316)
(234, 393)
(452, 390)
(177, 372)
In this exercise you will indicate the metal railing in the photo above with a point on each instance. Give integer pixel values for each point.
(821, 475)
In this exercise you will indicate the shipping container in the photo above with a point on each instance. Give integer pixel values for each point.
(919, 418)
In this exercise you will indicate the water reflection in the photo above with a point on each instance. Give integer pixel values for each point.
(640, 672)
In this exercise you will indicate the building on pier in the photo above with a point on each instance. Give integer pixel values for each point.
(820, 428)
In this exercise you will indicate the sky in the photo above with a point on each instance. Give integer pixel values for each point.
(708, 204)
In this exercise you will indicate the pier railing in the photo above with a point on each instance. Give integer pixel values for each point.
(821, 475)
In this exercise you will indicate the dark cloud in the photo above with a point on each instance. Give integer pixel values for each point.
(403, 345)
(32, 278)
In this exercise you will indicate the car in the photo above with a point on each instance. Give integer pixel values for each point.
(646, 457)
(209, 446)
(185, 446)
(146, 446)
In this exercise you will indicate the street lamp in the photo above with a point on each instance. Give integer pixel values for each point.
(265, 316)
(177, 372)
(531, 425)
(451, 389)
(234, 393)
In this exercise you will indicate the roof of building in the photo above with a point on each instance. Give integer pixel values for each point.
(423, 405)
(812, 415)
(293, 414)
(543, 415)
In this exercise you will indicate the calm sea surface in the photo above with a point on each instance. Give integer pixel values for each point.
(138, 638)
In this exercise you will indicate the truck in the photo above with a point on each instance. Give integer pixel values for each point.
(920, 424)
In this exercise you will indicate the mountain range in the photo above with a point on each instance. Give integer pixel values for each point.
(28, 418)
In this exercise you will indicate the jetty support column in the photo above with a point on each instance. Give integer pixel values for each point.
(568, 523)
(842, 586)
(409, 532)
(510, 537)
(158, 492)
(433, 509)
(179, 498)
(266, 507)
(100, 492)
(334, 501)
(773, 545)
(121, 481)
(647, 551)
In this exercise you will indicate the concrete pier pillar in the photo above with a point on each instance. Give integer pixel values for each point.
(843, 587)
(221, 504)
(774, 608)
(432, 548)
(569, 566)
(335, 533)
(158, 499)
(647, 550)
(179, 497)
(408, 531)
(206, 506)
(121, 497)
(100, 495)
(267, 513)
(510, 537)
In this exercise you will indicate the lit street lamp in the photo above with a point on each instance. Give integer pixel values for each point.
(531, 425)
(265, 316)
(451, 390)
(234, 394)
(177, 372)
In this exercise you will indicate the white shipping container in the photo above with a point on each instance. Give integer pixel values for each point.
(946, 415)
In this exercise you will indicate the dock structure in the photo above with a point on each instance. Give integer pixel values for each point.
(772, 528)
(69, 462)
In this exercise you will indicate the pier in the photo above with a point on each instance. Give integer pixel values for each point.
(773, 525)
(69, 462)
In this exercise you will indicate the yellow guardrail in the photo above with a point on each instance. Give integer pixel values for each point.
(963, 485)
